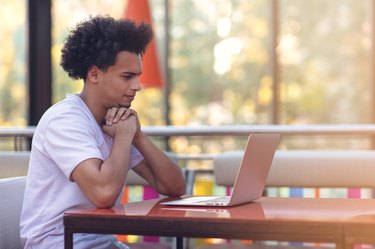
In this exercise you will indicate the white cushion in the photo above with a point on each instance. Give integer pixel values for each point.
(307, 168)
(134, 179)
(14, 163)
(11, 196)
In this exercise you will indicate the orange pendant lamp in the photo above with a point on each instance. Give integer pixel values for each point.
(139, 11)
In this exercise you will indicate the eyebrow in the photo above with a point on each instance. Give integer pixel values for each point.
(130, 73)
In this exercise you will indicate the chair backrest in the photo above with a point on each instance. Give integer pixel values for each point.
(14, 163)
(307, 168)
(11, 195)
(133, 179)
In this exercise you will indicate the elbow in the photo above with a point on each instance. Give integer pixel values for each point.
(174, 190)
(104, 203)
(104, 199)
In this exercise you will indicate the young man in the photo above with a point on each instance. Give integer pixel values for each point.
(84, 145)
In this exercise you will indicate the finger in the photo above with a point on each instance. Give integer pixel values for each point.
(127, 114)
(110, 115)
(120, 113)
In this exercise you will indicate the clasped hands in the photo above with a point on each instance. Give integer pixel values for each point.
(121, 120)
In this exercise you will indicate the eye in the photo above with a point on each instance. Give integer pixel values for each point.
(128, 77)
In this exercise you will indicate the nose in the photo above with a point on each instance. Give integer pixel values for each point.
(136, 84)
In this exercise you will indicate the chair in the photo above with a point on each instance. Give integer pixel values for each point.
(13, 170)
(14, 163)
(306, 169)
(11, 195)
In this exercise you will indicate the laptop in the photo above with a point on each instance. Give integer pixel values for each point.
(251, 176)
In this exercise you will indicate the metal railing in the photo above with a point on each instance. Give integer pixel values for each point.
(230, 130)
(21, 133)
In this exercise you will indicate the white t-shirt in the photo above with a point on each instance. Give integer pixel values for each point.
(66, 135)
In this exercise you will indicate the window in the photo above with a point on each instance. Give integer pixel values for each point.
(13, 64)
(221, 63)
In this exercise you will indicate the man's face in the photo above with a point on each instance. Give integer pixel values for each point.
(120, 82)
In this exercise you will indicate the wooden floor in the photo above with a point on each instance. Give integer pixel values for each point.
(144, 245)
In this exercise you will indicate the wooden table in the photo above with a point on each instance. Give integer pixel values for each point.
(360, 229)
(281, 219)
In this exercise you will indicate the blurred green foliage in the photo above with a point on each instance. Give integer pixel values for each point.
(220, 63)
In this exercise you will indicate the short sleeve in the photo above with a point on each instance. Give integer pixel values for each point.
(69, 141)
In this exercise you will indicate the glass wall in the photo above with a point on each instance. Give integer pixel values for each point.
(325, 57)
(222, 67)
(325, 50)
(221, 64)
(13, 67)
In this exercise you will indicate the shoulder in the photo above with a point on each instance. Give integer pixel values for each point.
(71, 109)
(68, 116)
(71, 106)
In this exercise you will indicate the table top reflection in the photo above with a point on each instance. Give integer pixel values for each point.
(282, 219)
(267, 208)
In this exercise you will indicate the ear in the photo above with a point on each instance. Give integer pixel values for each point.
(93, 74)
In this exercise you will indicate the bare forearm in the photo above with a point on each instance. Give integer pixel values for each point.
(167, 174)
(102, 181)
(113, 170)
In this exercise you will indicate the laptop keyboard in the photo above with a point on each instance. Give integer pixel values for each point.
(220, 201)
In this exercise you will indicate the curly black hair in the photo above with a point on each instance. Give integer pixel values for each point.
(98, 40)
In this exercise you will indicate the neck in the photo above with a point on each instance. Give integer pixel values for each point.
(97, 111)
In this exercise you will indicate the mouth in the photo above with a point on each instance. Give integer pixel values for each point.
(130, 97)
